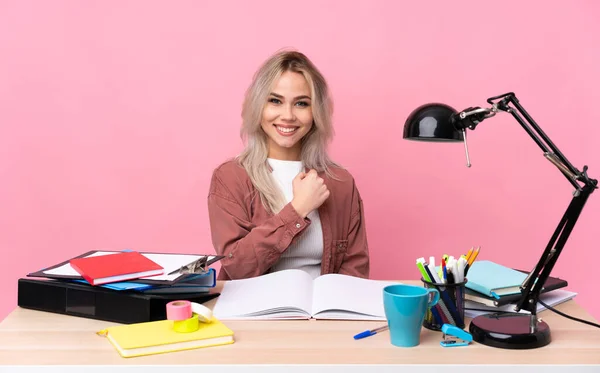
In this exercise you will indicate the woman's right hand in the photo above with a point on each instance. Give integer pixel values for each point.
(310, 192)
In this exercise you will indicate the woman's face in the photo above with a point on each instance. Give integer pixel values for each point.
(287, 116)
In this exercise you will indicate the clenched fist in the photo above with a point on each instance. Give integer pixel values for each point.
(310, 192)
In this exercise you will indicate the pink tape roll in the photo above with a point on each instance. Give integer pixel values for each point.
(179, 310)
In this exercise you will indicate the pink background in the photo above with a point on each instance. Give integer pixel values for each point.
(114, 114)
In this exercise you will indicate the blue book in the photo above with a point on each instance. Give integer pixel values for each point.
(192, 283)
(493, 279)
(125, 285)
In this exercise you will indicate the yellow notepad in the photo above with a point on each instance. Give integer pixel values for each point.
(158, 337)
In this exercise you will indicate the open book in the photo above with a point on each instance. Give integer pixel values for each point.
(293, 294)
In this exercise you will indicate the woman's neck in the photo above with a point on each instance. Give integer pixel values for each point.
(285, 154)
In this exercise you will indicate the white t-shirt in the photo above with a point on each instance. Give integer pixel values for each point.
(306, 251)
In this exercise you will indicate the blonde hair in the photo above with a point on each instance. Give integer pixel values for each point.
(314, 144)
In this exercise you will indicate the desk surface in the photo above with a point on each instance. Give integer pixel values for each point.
(30, 337)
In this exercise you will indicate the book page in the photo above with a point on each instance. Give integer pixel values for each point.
(277, 295)
(345, 297)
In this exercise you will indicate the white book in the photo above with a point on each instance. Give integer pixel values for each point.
(293, 294)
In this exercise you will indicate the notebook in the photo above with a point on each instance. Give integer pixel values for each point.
(122, 266)
(552, 283)
(293, 294)
(493, 279)
(158, 337)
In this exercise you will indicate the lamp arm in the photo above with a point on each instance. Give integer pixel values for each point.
(584, 186)
(551, 151)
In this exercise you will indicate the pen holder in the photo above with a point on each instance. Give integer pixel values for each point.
(450, 309)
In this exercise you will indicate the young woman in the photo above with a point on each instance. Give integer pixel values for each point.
(283, 203)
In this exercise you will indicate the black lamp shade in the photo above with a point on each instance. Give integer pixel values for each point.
(432, 122)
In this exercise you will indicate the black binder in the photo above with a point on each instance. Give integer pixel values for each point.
(76, 299)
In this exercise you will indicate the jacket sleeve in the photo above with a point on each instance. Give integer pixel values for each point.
(356, 261)
(249, 250)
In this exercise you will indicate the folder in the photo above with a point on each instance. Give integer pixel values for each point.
(199, 283)
(171, 263)
(191, 284)
(94, 302)
(159, 337)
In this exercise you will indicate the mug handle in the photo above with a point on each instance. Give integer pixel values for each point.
(436, 297)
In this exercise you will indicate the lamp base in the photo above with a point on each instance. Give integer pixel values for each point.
(510, 331)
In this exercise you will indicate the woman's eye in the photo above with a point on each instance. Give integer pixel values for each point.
(274, 100)
(302, 103)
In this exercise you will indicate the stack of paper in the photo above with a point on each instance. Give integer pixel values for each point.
(553, 298)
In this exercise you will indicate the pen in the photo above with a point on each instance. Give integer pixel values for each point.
(425, 272)
(441, 303)
(368, 333)
(445, 300)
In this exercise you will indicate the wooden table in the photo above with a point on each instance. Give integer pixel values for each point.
(30, 337)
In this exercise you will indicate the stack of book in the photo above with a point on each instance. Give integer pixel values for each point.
(492, 287)
(122, 286)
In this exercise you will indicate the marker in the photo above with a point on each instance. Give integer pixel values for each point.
(445, 298)
(457, 272)
(420, 262)
(444, 272)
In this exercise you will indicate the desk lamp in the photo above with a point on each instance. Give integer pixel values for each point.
(441, 123)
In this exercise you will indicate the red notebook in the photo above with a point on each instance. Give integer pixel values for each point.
(102, 269)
